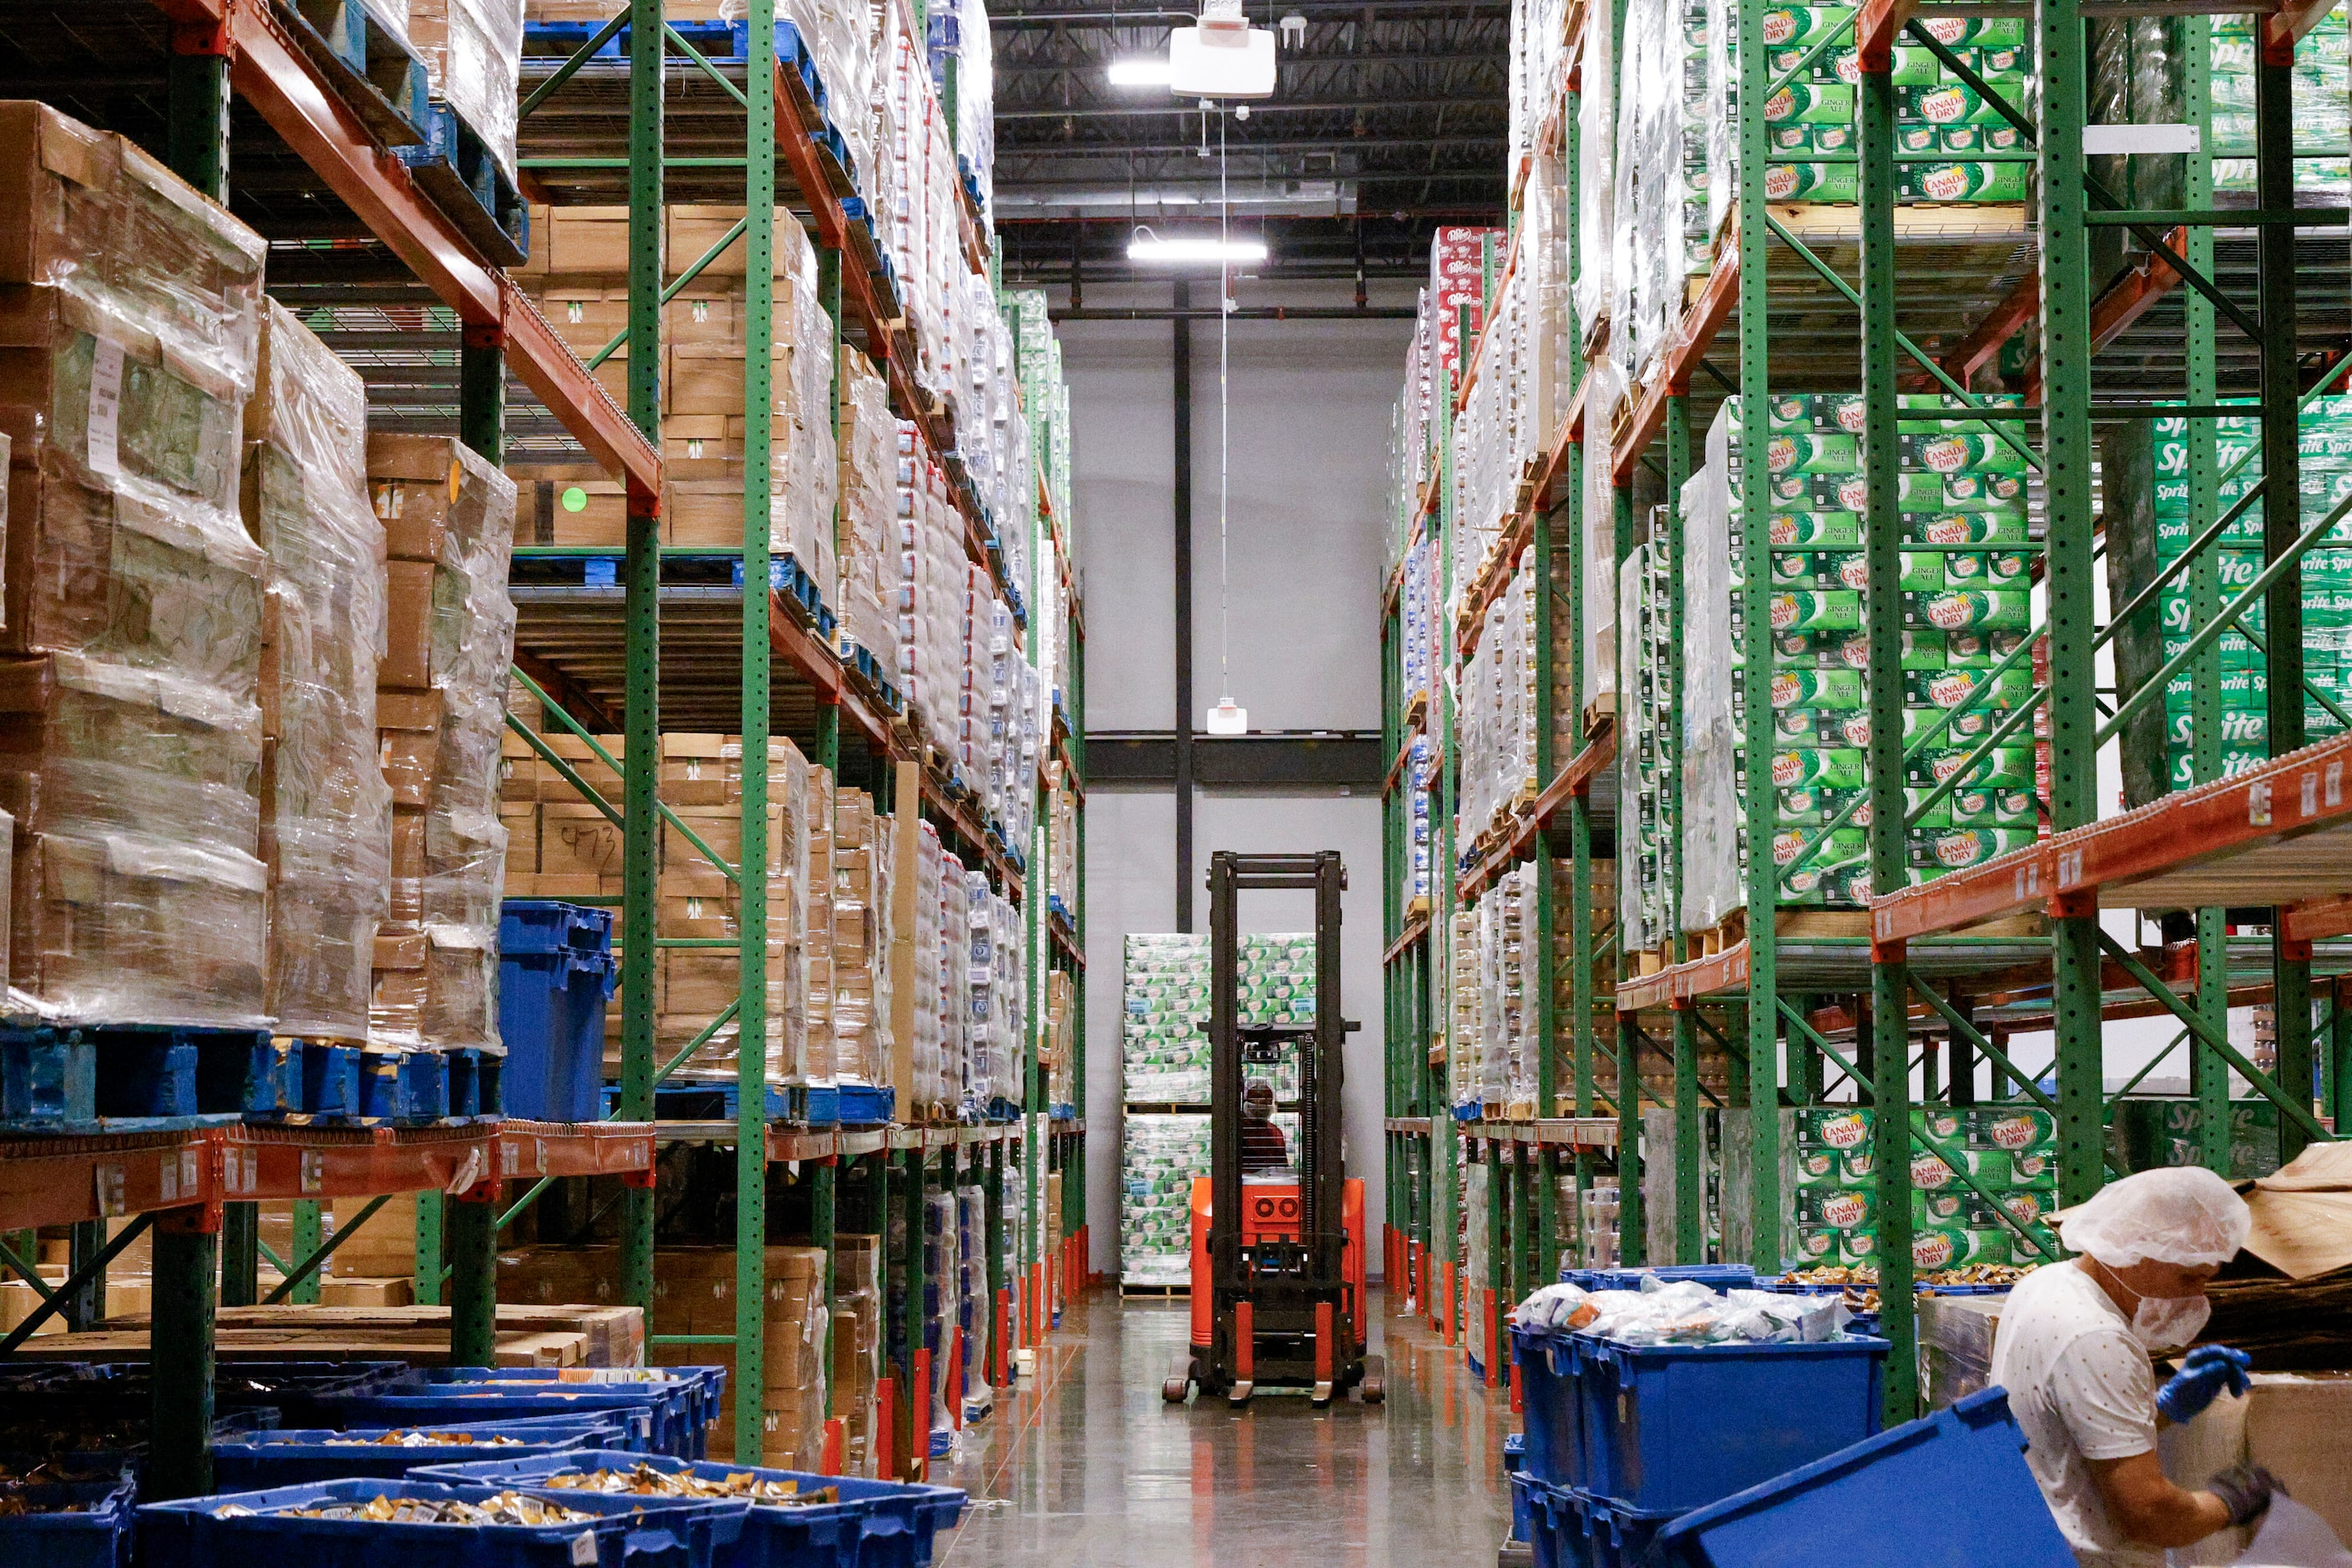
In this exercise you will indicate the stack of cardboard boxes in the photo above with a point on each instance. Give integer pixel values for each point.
(857, 1346)
(449, 521)
(695, 1293)
(131, 738)
(578, 276)
(326, 816)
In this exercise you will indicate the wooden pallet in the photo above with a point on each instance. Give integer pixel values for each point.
(1161, 1293)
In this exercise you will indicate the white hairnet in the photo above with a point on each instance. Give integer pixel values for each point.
(2181, 1214)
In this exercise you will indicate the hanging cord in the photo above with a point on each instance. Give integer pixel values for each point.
(1224, 406)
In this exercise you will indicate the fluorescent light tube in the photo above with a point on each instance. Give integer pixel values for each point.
(1206, 248)
(1141, 71)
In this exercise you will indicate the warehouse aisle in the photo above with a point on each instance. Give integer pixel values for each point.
(1089, 1467)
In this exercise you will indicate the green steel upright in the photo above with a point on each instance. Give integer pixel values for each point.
(641, 630)
(2068, 458)
(1759, 817)
(2282, 521)
(2208, 1075)
(752, 1016)
(1890, 1055)
(1690, 1137)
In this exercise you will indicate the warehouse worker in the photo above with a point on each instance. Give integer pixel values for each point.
(2073, 1349)
(1264, 1148)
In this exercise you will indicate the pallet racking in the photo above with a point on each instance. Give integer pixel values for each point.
(309, 159)
(1873, 297)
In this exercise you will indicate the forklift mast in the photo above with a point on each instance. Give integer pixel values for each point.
(1283, 1280)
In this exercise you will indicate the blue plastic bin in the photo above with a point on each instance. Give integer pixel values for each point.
(556, 969)
(97, 1537)
(1949, 1491)
(1668, 1428)
(1554, 1438)
(647, 1534)
(1715, 1277)
(690, 1394)
(875, 1524)
(1514, 1465)
(648, 1419)
(259, 1460)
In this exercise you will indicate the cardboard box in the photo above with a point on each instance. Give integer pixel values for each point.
(555, 789)
(695, 769)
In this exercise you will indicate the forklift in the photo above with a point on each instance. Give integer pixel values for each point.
(1278, 1282)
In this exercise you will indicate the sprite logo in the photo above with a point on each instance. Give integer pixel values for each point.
(1846, 1211)
(1932, 1249)
(1847, 1131)
(2012, 1132)
(1944, 105)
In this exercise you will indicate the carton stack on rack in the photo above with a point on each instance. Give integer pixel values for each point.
(1967, 571)
(578, 278)
(473, 58)
(694, 1293)
(858, 972)
(132, 745)
(2325, 462)
(1059, 1054)
(326, 826)
(697, 900)
(1828, 1171)
(872, 569)
(2323, 110)
(857, 1346)
(448, 521)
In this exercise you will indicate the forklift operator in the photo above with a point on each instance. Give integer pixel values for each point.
(1263, 1146)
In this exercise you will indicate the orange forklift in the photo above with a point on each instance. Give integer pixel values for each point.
(1278, 1255)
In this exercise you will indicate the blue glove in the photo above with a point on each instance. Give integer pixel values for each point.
(2204, 1373)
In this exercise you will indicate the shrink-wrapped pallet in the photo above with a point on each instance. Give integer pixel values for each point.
(130, 728)
(326, 827)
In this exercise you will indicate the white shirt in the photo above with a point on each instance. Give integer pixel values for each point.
(2082, 1389)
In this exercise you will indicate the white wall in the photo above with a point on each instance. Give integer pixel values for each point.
(1306, 536)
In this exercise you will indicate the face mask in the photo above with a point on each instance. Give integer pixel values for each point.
(2165, 1322)
(2168, 1323)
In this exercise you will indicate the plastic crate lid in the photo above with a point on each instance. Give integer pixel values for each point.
(1950, 1491)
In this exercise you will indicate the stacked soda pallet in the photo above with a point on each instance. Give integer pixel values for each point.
(1165, 1065)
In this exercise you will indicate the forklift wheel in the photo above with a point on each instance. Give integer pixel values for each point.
(1373, 1388)
(1174, 1390)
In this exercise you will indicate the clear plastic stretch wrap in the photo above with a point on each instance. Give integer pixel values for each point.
(1596, 183)
(870, 567)
(838, 35)
(448, 521)
(1712, 822)
(1635, 759)
(473, 55)
(131, 739)
(817, 926)
(1604, 390)
(858, 941)
(326, 826)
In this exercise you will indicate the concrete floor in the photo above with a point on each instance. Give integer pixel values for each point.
(1084, 1464)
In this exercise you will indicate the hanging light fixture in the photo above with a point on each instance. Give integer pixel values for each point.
(1181, 249)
